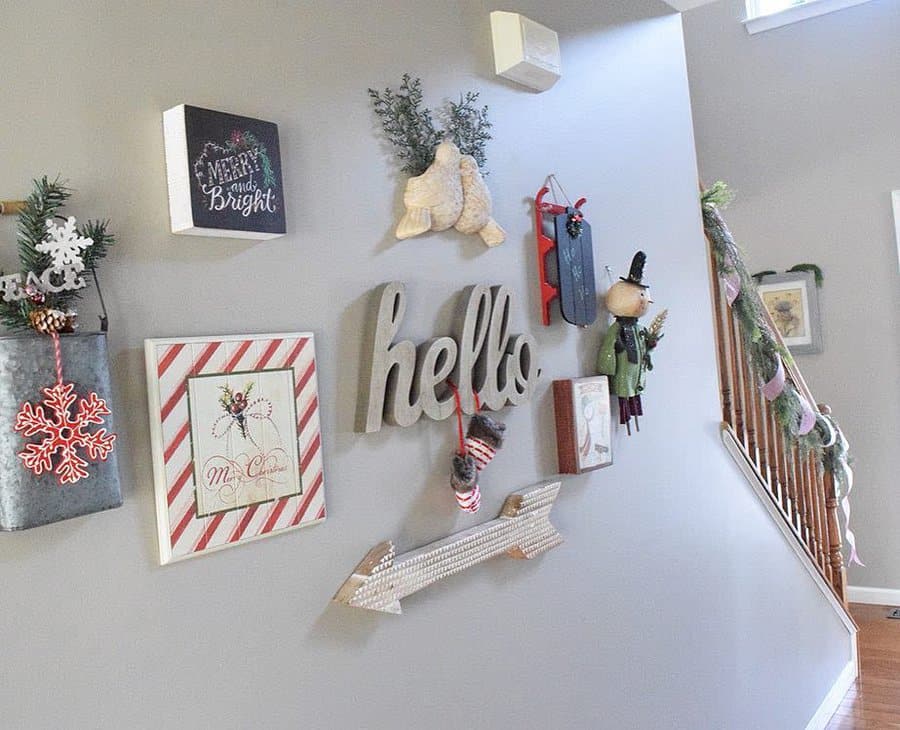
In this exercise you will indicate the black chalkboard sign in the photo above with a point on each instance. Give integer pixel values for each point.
(224, 174)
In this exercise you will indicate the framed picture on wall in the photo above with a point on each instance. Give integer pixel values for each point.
(583, 424)
(237, 446)
(792, 300)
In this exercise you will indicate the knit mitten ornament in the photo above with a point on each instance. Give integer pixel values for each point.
(464, 480)
(484, 438)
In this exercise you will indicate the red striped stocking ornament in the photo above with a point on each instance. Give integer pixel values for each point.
(464, 480)
(476, 450)
(484, 438)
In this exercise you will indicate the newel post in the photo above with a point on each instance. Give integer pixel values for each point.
(833, 527)
(835, 557)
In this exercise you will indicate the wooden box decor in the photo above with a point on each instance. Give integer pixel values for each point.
(224, 174)
(583, 424)
(523, 530)
(401, 382)
(237, 447)
(26, 369)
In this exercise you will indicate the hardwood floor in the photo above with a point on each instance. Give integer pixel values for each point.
(873, 703)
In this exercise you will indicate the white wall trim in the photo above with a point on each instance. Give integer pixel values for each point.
(682, 5)
(833, 699)
(795, 15)
(895, 200)
(874, 596)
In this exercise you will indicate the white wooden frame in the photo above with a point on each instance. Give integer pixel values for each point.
(183, 532)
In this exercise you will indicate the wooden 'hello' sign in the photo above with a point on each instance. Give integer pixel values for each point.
(402, 382)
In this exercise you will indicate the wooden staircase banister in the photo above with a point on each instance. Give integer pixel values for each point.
(790, 365)
(798, 488)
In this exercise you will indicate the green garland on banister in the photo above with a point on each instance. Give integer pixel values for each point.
(762, 349)
(826, 441)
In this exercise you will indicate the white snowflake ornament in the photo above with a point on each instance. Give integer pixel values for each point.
(64, 245)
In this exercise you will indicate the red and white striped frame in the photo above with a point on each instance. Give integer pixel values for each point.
(182, 534)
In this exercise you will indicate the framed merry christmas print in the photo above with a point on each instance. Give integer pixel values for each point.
(236, 439)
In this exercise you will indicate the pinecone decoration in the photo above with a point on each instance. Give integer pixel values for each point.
(46, 320)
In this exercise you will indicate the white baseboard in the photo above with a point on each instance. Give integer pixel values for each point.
(833, 699)
(876, 596)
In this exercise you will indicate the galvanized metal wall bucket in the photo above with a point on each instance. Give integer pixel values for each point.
(26, 367)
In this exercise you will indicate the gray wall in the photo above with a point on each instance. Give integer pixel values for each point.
(803, 122)
(673, 602)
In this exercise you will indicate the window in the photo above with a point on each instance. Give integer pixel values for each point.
(757, 8)
(768, 14)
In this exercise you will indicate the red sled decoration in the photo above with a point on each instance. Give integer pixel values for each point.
(564, 232)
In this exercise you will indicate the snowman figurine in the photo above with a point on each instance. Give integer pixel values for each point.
(625, 352)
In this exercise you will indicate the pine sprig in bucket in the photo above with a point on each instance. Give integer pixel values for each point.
(45, 203)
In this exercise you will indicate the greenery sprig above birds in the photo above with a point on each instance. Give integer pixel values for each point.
(411, 129)
(39, 307)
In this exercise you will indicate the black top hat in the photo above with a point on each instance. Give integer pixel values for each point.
(636, 274)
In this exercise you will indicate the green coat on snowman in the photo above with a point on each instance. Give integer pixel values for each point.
(625, 351)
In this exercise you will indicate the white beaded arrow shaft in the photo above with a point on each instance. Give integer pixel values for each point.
(523, 530)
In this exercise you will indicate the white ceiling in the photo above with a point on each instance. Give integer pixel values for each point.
(688, 4)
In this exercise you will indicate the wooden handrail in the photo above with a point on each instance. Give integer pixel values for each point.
(801, 492)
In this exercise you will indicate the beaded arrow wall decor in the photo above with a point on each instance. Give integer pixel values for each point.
(523, 530)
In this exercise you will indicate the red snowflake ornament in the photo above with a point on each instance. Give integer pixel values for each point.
(65, 433)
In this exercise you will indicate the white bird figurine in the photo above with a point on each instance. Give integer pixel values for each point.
(433, 199)
(450, 193)
(477, 205)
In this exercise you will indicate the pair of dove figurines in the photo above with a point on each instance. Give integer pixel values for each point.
(451, 193)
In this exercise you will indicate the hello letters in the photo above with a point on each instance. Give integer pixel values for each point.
(403, 382)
